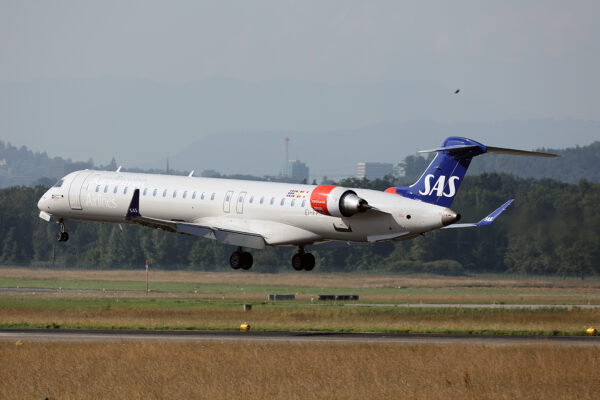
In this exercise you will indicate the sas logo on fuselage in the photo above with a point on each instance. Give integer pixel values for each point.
(439, 185)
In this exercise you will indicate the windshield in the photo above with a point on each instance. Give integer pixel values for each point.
(59, 183)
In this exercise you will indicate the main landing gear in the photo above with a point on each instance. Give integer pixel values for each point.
(303, 261)
(62, 235)
(241, 259)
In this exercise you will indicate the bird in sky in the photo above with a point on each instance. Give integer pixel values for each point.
(456, 91)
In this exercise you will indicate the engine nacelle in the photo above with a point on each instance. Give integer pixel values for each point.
(337, 201)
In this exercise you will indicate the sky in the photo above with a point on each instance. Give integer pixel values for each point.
(511, 60)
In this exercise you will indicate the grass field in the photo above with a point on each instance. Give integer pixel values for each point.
(386, 288)
(197, 300)
(296, 371)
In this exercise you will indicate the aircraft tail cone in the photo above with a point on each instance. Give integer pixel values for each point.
(449, 217)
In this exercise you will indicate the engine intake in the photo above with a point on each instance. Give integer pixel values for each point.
(337, 201)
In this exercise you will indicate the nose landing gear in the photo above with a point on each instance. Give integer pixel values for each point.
(62, 235)
(241, 259)
(303, 261)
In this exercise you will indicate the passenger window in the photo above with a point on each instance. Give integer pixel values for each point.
(293, 202)
(241, 199)
(165, 193)
(97, 188)
(272, 200)
(115, 190)
(184, 194)
(262, 199)
(174, 193)
(193, 195)
(282, 201)
(125, 190)
(154, 192)
(212, 197)
(303, 203)
(251, 199)
(227, 197)
(105, 188)
(202, 196)
(145, 191)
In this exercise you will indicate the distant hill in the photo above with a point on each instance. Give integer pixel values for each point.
(574, 164)
(335, 154)
(21, 166)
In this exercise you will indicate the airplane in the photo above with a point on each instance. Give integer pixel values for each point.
(253, 215)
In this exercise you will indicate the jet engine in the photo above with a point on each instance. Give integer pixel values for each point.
(337, 201)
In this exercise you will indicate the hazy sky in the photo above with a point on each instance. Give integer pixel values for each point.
(530, 59)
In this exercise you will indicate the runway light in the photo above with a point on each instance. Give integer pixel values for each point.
(591, 331)
(245, 327)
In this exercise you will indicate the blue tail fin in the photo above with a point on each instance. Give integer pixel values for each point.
(441, 180)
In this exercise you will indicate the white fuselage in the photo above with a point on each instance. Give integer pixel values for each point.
(279, 212)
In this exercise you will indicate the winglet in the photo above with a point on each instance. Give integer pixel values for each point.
(134, 206)
(191, 174)
(485, 221)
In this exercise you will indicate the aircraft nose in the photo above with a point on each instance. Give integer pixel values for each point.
(449, 217)
(42, 203)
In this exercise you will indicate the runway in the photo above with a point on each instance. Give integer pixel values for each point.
(76, 335)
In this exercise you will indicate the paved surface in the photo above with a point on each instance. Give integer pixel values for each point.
(66, 335)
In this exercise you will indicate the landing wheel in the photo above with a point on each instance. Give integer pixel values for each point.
(241, 259)
(236, 260)
(62, 236)
(303, 261)
(297, 262)
(309, 261)
(247, 260)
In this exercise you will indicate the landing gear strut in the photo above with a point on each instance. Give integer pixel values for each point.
(62, 235)
(303, 261)
(241, 259)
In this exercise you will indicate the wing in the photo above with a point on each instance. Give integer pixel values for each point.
(255, 234)
(224, 234)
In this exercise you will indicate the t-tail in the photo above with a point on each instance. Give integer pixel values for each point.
(442, 178)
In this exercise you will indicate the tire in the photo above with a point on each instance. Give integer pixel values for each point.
(235, 261)
(59, 236)
(247, 260)
(297, 262)
(65, 236)
(309, 261)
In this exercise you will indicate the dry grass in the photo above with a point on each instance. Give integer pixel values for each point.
(303, 317)
(128, 370)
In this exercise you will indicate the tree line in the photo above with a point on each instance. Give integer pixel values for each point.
(551, 228)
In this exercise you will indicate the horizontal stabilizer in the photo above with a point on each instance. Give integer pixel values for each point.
(485, 221)
(514, 152)
(489, 149)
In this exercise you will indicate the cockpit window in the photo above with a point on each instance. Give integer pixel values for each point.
(59, 183)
